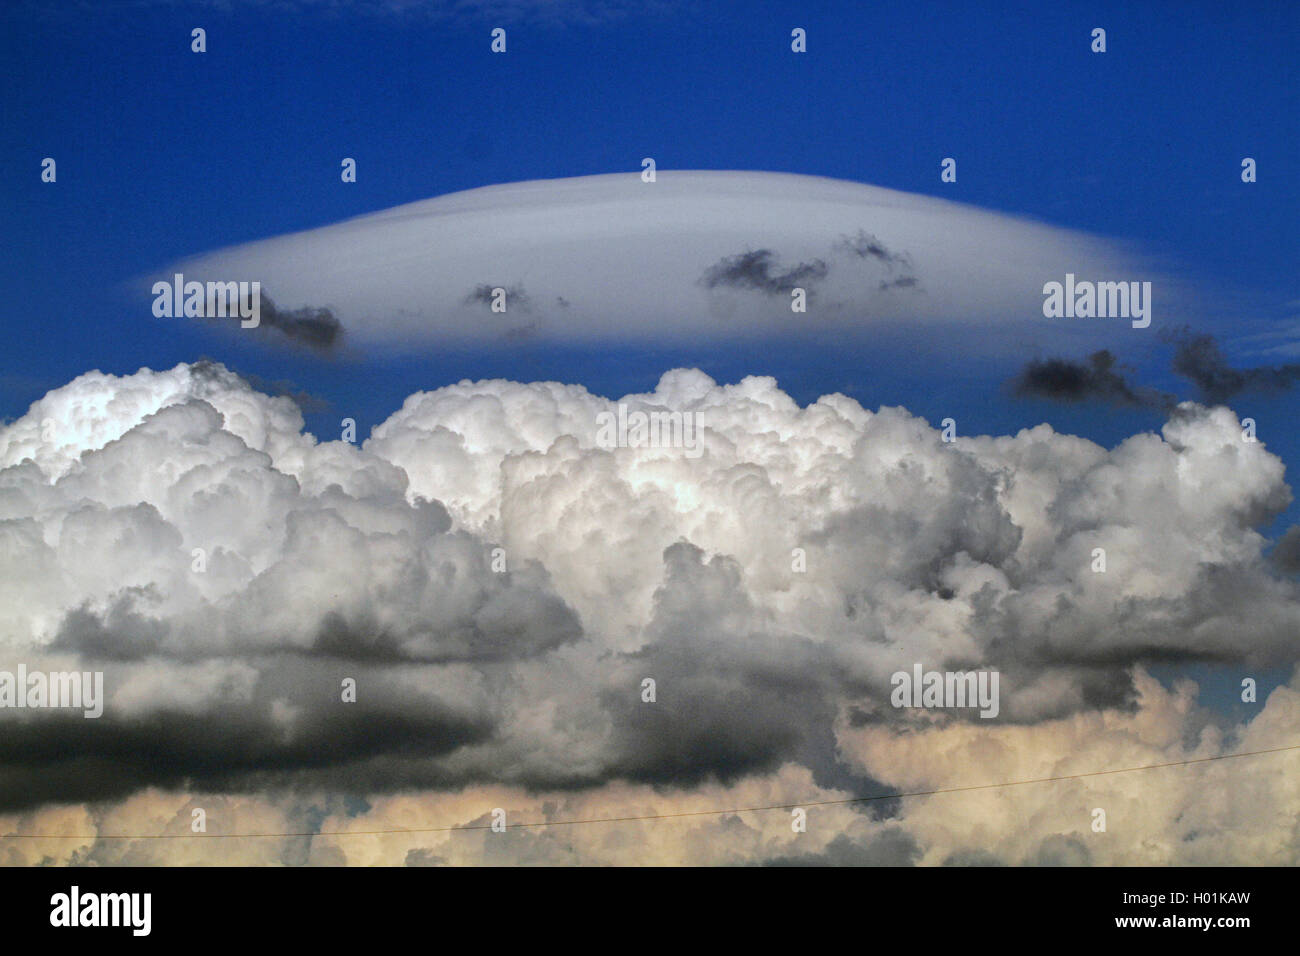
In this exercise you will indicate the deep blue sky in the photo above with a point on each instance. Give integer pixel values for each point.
(163, 153)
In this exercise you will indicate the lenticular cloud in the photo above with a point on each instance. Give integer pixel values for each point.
(498, 584)
(694, 255)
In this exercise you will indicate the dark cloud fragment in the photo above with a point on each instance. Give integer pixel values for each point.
(485, 294)
(1199, 359)
(1098, 378)
(122, 633)
(757, 270)
(866, 246)
(1286, 553)
(315, 328)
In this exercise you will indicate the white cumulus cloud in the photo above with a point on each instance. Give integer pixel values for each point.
(181, 532)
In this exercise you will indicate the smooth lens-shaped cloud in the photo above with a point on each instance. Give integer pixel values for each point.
(694, 255)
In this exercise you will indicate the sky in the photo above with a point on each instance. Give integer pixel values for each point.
(164, 154)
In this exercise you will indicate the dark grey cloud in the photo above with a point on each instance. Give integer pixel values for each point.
(291, 729)
(122, 633)
(389, 739)
(1098, 378)
(902, 282)
(1286, 553)
(757, 270)
(315, 328)
(482, 294)
(866, 246)
(719, 716)
(1099, 650)
(1199, 358)
(731, 701)
(504, 629)
(505, 618)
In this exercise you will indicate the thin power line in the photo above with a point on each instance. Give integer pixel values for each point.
(647, 816)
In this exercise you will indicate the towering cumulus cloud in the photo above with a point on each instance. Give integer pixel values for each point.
(499, 583)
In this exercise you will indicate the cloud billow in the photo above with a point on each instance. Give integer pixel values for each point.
(519, 671)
